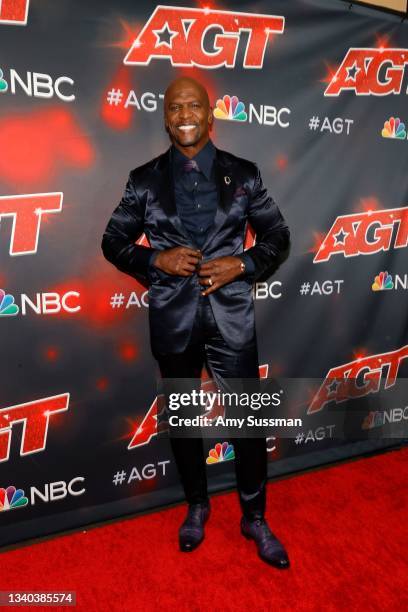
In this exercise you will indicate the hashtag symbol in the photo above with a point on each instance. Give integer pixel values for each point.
(299, 438)
(119, 478)
(304, 288)
(314, 123)
(117, 300)
(114, 97)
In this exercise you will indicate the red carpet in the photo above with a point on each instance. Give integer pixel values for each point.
(345, 529)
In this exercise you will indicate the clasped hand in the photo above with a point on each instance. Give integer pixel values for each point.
(213, 274)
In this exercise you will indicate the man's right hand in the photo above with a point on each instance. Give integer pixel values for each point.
(180, 261)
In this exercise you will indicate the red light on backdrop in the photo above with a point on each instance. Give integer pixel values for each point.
(382, 41)
(281, 162)
(97, 288)
(102, 383)
(317, 243)
(52, 353)
(128, 351)
(39, 144)
(331, 70)
(369, 204)
(131, 31)
(113, 111)
(360, 353)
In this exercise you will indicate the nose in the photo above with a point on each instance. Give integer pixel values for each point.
(185, 113)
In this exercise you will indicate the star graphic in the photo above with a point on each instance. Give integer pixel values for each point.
(341, 240)
(352, 69)
(165, 36)
(333, 386)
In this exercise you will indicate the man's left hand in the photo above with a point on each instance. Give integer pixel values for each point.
(218, 272)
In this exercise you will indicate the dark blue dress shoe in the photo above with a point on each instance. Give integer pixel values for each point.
(269, 548)
(191, 532)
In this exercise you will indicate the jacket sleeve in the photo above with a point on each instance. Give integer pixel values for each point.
(272, 233)
(125, 226)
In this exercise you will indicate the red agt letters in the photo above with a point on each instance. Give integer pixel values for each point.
(178, 33)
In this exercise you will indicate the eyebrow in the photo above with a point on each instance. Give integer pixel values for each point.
(184, 102)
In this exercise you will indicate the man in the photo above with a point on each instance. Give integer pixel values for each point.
(193, 202)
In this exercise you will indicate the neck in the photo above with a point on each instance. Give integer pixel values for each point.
(192, 150)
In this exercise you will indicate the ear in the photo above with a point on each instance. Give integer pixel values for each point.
(210, 116)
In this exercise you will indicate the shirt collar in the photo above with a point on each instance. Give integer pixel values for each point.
(204, 158)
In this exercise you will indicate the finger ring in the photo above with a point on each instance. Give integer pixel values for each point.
(210, 282)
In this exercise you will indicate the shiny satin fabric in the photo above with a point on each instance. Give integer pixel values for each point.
(181, 373)
(148, 206)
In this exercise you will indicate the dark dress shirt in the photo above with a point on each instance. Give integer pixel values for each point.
(196, 196)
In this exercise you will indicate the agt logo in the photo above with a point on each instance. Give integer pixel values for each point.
(384, 282)
(377, 72)
(394, 128)
(37, 85)
(26, 212)
(220, 453)
(365, 233)
(14, 12)
(12, 498)
(205, 37)
(146, 472)
(35, 417)
(147, 101)
(359, 378)
(230, 108)
(43, 303)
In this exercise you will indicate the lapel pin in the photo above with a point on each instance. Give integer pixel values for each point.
(227, 180)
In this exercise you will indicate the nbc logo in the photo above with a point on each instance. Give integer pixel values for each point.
(378, 418)
(229, 107)
(12, 498)
(7, 306)
(220, 452)
(382, 282)
(394, 128)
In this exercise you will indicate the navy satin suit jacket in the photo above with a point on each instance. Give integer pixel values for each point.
(148, 205)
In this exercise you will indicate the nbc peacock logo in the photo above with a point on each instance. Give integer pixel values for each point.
(382, 282)
(394, 128)
(230, 108)
(7, 306)
(220, 452)
(12, 498)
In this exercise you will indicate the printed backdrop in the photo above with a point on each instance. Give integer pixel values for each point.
(313, 92)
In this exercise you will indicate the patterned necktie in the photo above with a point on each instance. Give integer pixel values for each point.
(190, 165)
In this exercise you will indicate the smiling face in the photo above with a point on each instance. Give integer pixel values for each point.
(187, 115)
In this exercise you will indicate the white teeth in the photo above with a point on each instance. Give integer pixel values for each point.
(186, 127)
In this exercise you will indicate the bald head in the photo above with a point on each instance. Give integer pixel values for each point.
(182, 84)
(187, 115)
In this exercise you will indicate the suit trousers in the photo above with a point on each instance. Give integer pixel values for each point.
(207, 347)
